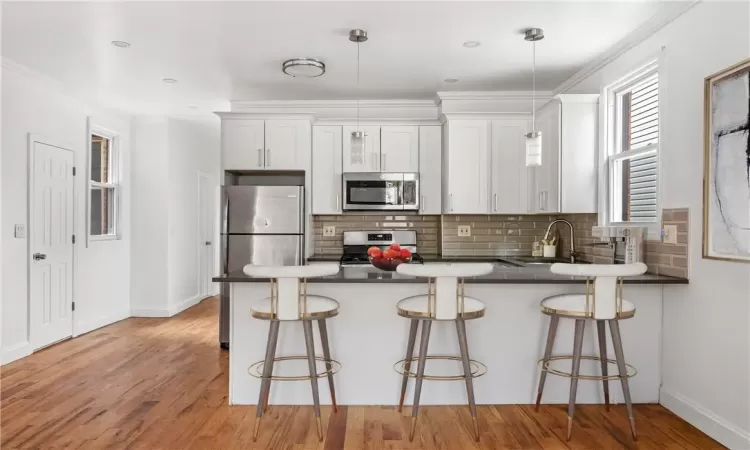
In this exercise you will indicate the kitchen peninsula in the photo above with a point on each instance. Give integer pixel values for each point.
(368, 337)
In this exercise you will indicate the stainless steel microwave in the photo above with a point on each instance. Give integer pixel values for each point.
(381, 191)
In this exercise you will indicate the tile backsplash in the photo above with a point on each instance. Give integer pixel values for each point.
(493, 235)
(427, 228)
(671, 259)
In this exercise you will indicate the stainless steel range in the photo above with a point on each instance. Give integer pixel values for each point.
(356, 244)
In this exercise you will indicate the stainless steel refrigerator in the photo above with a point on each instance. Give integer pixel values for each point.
(261, 225)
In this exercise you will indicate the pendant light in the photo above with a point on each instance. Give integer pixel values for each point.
(358, 137)
(534, 138)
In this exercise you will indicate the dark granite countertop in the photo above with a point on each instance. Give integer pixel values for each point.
(428, 258)
(500, 275)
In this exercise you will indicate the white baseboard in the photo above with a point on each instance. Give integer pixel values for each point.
(140, 312)
(91, 325)
(727, 433)
(15, 352)
(185, 304)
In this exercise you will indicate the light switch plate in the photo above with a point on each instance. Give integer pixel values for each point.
(464, 230)
(329, 231)
(19, 231)
(669, 234)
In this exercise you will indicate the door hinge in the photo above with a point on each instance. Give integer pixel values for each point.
(74, 238)
(74, 171)
(73, 306)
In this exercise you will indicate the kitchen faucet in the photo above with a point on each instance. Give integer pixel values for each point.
(573, 253)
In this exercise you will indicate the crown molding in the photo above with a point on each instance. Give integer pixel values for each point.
(640, 34)
(312, 105)
(494, 95)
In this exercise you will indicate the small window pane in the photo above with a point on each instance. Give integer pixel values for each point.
(635, 189)
(100, 170)
(102, 211)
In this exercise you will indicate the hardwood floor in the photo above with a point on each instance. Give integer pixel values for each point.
(162, 384)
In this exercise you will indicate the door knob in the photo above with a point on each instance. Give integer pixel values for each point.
(39, 256)
(208, 242)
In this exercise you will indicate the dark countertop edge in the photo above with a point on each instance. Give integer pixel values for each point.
(429, 258)
(659, 279)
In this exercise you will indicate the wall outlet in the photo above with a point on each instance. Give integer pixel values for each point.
(329, 231)
(669, 234)
(464, 230)
(19, 231)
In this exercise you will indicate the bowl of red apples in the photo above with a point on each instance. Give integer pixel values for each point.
(389, 258)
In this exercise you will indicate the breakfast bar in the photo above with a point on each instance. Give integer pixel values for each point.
(368, 337)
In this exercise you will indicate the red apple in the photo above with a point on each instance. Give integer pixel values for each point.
(405, 253)
(395, 246)
(374, 252)
(391, 254)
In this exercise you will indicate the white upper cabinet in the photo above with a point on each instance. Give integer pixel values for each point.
(399, 149)
(430, 174)
(566, 181)
(326, 170)
(287, 145)
(242, 144)
(509, 181)
(466, 167)
(250, 144)
(362, 160)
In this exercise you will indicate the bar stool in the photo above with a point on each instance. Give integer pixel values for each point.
(289, 301)
(602, 302)
(445, 300)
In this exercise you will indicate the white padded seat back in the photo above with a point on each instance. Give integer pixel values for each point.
(447, 295)
(603, 302)
(287, 279)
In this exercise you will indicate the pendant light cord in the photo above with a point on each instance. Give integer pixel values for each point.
(533, 86)
(358, 91)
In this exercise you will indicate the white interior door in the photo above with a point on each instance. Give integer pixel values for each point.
(206, 237)
(51, 244)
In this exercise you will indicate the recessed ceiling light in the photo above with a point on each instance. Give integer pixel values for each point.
(192, 106)
(472, 44)
(169, 80)
(451, 80)
(121, 44)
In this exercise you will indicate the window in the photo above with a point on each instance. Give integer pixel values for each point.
(633, 149)
(103, 187)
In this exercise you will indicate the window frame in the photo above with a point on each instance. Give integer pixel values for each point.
(610, 153)
(114, 182)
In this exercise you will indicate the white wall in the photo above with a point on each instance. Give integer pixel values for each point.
(102, 277)
(705, 343)
(150, 189)
(168, 155)
(193, 147)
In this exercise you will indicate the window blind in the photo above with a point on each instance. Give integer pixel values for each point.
(641, 132)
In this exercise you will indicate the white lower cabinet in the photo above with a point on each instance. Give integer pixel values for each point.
(430, 174)
(327, 170)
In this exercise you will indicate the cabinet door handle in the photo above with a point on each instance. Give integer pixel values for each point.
(268, 157)
(495, 200)
(450, 202)
(421, 205)
(541, 205)
(382, 163)
(337, 203)
(260, 158)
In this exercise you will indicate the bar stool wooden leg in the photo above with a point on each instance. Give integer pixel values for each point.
(327, 356)
(310, 344)
(407, 363)
(614, 326)
(427, 324)
(553, 321)
(462, 343)
(265, 384)
(601, 329)
(577, 348)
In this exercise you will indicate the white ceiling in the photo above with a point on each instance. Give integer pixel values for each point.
(233, 51)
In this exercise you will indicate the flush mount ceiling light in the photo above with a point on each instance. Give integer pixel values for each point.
(472, 44)
(358, 137)
(451, 80)
(121, 44)
(303, 67)
(192, 106)
(169, 80)
(534, 138)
